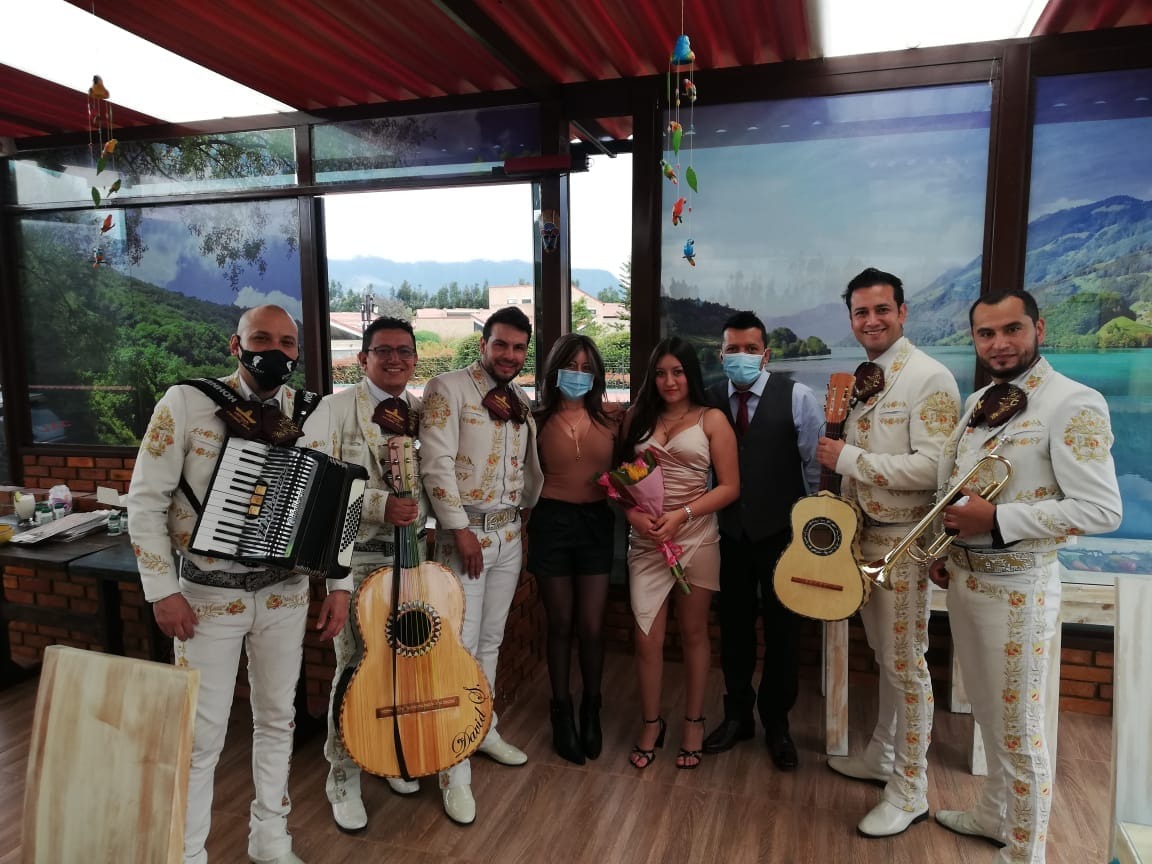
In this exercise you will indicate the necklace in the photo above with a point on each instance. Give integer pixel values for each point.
(573, 429)
(671, 422)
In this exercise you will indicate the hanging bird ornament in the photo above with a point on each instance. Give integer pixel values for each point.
(681, 62)
(102, 144)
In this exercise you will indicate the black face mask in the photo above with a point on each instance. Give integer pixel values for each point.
(270, 368)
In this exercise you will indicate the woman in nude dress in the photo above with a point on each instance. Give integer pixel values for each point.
(689, 440)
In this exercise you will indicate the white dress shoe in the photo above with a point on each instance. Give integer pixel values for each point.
(501, 751)
(856, 768)
(459, 804)
(350, 814)
(286, 858)
(888, 820)
(963, 822)
(403, 787)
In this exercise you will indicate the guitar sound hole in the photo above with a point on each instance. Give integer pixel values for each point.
(414, 629)
(822, 536)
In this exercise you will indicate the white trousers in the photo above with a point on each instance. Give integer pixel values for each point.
(269, 625)
(343, 773)
(896, 624)
(1001, 627)
(486, 604)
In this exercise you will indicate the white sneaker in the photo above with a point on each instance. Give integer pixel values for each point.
(403, 787)
(499, 750)
(286, 858)
(855, 768)
(350, 814)
(964, 822)
(888, 820)
(459, 804)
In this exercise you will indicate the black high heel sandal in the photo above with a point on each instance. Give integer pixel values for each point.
(686, 760)
(649, 756)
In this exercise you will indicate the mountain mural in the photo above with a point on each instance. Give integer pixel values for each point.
(1089, 267)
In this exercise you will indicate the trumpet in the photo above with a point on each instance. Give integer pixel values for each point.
(878, 571)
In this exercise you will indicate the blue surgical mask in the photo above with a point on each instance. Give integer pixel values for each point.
(742, 369)
(573, 384)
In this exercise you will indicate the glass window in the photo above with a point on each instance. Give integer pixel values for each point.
(228, 161)
(425, 145)
(601, 207)
(797, 196)
(416, 254)
(106, 338)
(1089, 256)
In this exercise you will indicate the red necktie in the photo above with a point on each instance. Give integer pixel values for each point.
(742, 411)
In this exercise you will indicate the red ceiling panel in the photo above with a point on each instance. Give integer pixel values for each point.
(35, 106)
(314, 54)
(1067, 16)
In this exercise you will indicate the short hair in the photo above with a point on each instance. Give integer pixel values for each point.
(995, 298)
(386, 323)
(869, 277)
(746, 320)
(513, 316)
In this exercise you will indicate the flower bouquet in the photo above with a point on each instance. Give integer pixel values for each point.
(639, 484)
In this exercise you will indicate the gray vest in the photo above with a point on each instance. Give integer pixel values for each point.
(771, 473)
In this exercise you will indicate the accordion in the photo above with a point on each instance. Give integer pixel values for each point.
(286, 507)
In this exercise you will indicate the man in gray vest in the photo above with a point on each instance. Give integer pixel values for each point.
(777, 423)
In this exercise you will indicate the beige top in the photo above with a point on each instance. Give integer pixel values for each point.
(573, 461)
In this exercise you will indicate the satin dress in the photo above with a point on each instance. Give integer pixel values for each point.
(685, 460)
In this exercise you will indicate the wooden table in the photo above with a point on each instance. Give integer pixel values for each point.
(49, 555)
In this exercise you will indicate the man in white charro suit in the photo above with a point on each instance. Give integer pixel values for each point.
(905, 406)
(354, 425)
(215, 608)
(480, 469)
(1002, 573)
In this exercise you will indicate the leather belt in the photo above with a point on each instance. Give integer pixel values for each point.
(994, 562)
(491, 520)
(250, 580)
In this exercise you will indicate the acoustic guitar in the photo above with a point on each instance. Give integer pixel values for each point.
(417, 701)
(817, 575)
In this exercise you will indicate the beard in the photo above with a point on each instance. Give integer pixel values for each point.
(498, 376)
(1027, 361)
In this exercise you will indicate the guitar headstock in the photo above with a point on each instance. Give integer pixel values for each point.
(839, 398)
(403, 474)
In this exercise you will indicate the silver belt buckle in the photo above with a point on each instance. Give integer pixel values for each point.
(494, 519)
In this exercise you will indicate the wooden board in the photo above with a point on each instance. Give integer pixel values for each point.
(108, 762)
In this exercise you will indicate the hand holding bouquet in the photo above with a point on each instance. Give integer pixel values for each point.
(639, 484)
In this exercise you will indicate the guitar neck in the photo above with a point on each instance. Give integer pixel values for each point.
(407, 541)
(829, 479)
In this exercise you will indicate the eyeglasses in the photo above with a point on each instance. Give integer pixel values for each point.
(385, 352)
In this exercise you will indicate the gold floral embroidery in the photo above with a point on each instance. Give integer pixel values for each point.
(940, 413)
(161, 433)
(150, 561)
(209, 434)
(1088, 436)
(485, 542)
(215, 610)
(436, 411)
(279, 601)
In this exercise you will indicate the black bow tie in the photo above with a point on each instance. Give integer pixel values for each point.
(998, 405)
(394, 416)
(256, 421)
(504, 405)
(869, 381)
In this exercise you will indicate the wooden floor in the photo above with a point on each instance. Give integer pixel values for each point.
(735, 808)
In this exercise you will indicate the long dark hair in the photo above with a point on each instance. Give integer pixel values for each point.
(642, 415)
(562, 353)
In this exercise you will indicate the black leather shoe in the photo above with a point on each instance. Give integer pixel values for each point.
(728, 734)
(591, 736)
(565, 739)
(781, 748)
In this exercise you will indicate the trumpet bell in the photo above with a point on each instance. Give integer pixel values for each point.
(877, 574)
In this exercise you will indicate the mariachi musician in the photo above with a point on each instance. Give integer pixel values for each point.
(354, 425)
(905, 406)
(215, 608)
